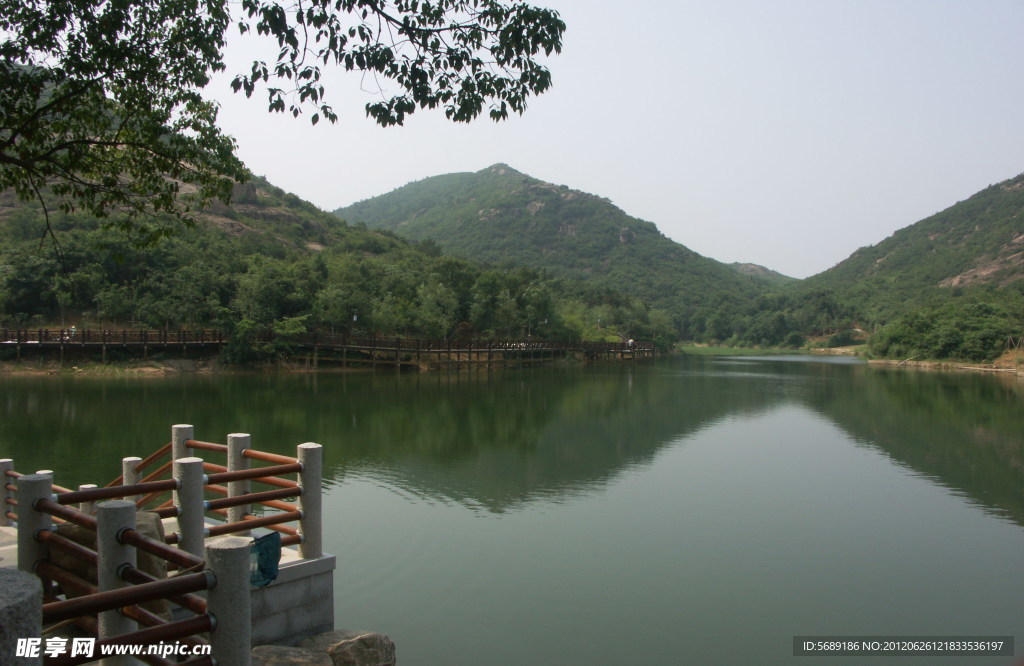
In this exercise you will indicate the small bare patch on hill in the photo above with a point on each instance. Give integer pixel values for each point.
(1004, 269)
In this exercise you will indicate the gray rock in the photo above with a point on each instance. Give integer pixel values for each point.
(277, 655)
(21, 613)
(323, 642)
(353, 648)
(364, 650)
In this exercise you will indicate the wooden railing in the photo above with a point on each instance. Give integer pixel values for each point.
(137, 336)
(124, 336)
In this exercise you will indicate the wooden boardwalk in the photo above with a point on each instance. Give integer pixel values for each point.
(318, 349)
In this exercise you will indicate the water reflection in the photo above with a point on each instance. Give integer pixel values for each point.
(496, 442)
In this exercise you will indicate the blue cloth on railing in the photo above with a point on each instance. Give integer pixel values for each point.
(264, 556)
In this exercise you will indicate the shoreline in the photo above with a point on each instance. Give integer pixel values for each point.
(946, 366)
(212, 366)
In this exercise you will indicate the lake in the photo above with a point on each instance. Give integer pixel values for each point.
(700, 510)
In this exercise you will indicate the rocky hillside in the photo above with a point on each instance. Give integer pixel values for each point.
(975, 243)
(762, 272)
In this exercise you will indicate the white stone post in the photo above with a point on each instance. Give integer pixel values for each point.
(311, 500)
(237, 443)
(88, 506)
(129, 477)
(228, 601)
(6, 464)
(112, 517)
(179, 434)
(32, 487)
(189, 500)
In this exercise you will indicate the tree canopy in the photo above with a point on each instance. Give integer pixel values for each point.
(101, 101)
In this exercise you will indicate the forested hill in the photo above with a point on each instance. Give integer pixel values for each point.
(501, 216)
(271, 261)
(976, 244)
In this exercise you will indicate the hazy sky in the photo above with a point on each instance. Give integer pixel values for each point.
(785, 133)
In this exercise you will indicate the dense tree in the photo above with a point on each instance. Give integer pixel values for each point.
(974, 330)
(101, 102)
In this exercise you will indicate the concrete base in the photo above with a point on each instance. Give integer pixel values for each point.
(299, 604)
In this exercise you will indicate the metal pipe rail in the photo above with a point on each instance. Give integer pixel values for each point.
(130, 537)
(115, 492)
(165, 632)
(125, 596)
(263, 456)
(67, 513)
(248, 524)
(257, 498)
(162, 550)
(144, 463)
(208, 446)
(192, 602)
(145, 618)
(255, 473)
(282, 528)
(65, 578)
(73, 548)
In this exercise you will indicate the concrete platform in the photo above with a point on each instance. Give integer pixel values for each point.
(8, 547)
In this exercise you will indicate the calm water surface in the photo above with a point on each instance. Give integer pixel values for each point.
(696, 510)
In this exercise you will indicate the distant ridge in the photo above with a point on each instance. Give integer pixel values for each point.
(502, 216)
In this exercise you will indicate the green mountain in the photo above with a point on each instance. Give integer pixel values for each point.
(503, 217)
(975, 245)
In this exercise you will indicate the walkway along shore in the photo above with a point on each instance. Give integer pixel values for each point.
(314, 349)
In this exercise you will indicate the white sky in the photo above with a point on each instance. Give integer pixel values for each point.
(785, 133)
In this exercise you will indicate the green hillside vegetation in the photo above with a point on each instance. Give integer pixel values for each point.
(527, 258)
(271, 261)
(978, 242)
(959, 270)
(949, 286)
(504, 217)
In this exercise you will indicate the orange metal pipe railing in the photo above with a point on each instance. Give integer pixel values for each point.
(144, 463)
(162, 550)
(228, 528)
(67, 513)
(65, 578)
(155, 474)
(209, 446)
(116, 491)
(166, 511)
(164, 632)
(269, 457)
(255, 473)
(264, 497)
(283, 529)
(192, 602)
(113, 599)
(76, 549)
